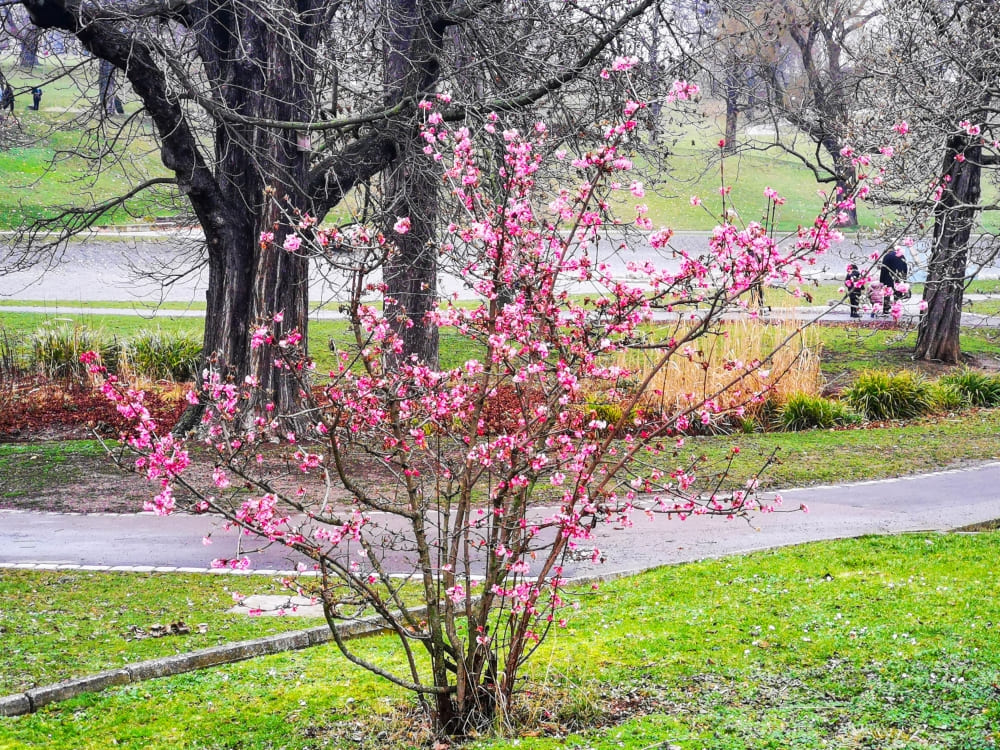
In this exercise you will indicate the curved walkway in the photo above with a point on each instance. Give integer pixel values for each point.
(931, 502)
(939, 501)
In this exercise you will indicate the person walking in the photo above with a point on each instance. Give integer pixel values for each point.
(36, 96)
(854, 284)
(7, 99)
(893, 274)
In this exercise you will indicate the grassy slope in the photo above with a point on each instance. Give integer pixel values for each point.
(38, 173)
(690, 168)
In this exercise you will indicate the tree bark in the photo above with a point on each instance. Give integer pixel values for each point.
(954, 217)
(410, 270)
(31, 37)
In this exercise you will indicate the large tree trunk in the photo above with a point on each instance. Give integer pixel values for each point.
(261, 175)
(411, 267)
(31, 37)
(954, 217)
(410, 270)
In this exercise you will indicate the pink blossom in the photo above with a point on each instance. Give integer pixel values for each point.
(623, 63)
(259, 336)
(969, 128)
(292, 243)
(402, 225)
(772, 195)
(902, 127)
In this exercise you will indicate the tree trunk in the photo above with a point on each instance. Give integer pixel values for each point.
(410, 270)
(954, 218)
(732, 92)
(260, 172)
(411, 267)
(31, 37)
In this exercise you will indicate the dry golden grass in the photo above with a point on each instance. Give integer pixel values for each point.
(743, 367)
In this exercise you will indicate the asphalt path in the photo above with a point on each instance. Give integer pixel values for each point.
(125, 267)
(936, 502)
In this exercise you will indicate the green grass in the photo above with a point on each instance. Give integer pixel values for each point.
(39, 171)
(689, 166)
(72, 623)
(847, 351)
(693, 167)
(129, 307)
(847, 455)
(67, 476)
(27, 468)
(455, 349)
(875, 642)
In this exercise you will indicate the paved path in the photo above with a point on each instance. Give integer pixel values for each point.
(932, 502)
(125, 266)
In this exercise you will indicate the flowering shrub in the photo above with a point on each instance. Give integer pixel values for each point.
(410, 480)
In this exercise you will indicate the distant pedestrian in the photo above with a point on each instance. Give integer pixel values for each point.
(854, 284)
(7, 99)
(877, 294)
(36, 97)
(893, 275)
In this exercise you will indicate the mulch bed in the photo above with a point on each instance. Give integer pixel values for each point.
(39, 409)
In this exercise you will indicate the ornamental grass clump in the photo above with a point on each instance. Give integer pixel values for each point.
(161, 355)
(978, 389)
(878, 395)
(749, 369)
(948, 398)
(803, 411)
(56, 350)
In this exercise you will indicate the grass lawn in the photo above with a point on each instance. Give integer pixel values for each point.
(41, 167)
(40, 170)
(878, 642)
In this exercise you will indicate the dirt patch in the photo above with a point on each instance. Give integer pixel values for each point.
(78, 484)
(34, 411)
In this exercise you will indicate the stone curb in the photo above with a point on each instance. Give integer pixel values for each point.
(31, 700)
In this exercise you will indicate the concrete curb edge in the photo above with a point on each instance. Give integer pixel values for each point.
(19, 704)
